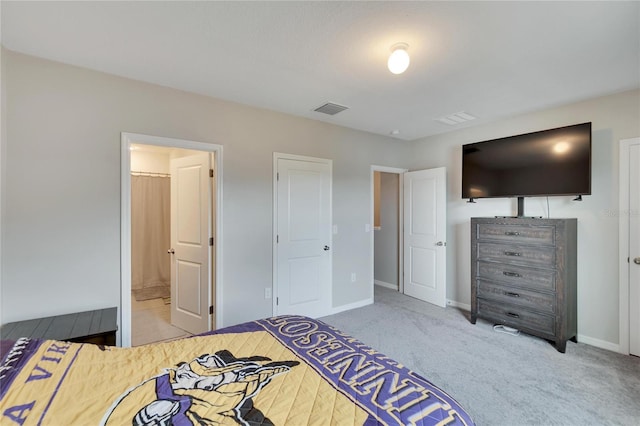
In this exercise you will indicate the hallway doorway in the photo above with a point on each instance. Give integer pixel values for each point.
(386, 230)
(387, 238)
(419, 232)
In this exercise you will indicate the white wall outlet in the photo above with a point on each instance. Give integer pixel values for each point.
(353, 277)
(267, 293)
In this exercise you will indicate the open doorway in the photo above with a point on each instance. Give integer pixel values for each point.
(387, 226)
(421, 237)
(152, 251)
(386, 230)
(159, 186)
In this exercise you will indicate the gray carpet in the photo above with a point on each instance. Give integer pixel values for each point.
(500, 379)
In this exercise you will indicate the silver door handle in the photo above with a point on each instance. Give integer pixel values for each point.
(171, 251)
(326, 248)
(636, 260)
(441, 243)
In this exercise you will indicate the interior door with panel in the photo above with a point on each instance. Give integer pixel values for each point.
(634, 249)
(190, 242)
(303, 237)
(425, 235)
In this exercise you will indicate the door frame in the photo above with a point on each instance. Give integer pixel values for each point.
(127, 139)
(623, 226)
(274, 279)
(400, 172)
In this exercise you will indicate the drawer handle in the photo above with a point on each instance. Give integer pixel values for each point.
(512, 253)
(512, 233)
(508, 293)
(512, 315)
(512, 274)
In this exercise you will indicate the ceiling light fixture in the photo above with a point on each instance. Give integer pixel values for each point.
(399, 59)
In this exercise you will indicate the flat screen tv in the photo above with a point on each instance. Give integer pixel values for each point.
(538, 164)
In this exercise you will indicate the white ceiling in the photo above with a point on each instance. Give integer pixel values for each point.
(489, 59)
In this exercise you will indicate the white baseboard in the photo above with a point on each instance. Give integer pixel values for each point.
(599, 343)
(455, 304)
(387, 285)
(350, 306)
(581, 338)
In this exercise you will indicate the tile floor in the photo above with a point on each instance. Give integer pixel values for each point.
(151, 322)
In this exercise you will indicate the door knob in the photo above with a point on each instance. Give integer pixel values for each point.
(326, 248)
(636, 260)
(171, 251)
(441, 243)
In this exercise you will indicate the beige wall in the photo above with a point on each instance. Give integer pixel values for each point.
(61, 217)
(153, 159)
(376, 199)
(150, 161)
(614, 118)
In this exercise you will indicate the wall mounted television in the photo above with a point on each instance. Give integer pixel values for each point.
(539, 164)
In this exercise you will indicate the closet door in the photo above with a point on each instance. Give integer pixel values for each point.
(634, 249)
(303, 237)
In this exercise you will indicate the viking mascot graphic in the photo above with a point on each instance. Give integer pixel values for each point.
(213, 389)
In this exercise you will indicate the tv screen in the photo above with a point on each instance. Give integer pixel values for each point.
(549, 162)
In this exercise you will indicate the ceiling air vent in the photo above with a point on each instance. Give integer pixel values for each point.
(457, 118)
(331, 109)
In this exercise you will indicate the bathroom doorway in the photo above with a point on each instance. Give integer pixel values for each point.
(159, 188)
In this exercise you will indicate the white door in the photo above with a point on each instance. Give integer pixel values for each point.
(634, 249)
(425, 235)
(303, 237)
(190, 249)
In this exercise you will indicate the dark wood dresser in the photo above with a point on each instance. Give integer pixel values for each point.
(98, 327)
(524, 275)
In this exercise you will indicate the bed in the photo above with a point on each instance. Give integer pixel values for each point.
(284, 370)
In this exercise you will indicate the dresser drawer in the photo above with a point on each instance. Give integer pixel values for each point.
(543, 302)
(528, 255)
(515, 316)
(519, 234)
(539, 279)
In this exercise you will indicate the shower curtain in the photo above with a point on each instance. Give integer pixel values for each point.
(150, 237)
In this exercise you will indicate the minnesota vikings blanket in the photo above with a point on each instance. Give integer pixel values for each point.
(287, 370)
